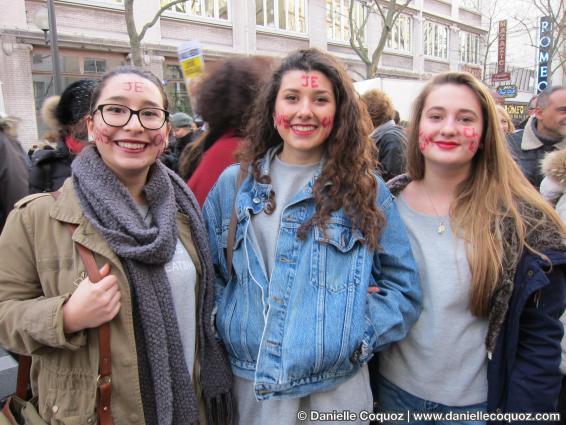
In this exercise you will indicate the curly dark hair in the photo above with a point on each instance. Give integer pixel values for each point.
(346, 180)
(224, 98)
(379, 107)
(225, 95)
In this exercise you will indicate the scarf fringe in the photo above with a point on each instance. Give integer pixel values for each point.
(222, 410)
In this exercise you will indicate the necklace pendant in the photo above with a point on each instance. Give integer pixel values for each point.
(441, 228)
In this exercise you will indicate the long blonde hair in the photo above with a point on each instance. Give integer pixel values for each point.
(494, 194)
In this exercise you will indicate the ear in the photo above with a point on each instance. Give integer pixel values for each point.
(538, 113)
(90, 128)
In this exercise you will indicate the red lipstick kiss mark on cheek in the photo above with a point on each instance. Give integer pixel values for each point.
(328, 122)
(136, 86)
(282, 120)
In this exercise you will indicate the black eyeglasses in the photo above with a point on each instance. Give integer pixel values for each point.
(119, 115)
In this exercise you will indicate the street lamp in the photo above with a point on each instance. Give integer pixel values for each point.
(44, 19)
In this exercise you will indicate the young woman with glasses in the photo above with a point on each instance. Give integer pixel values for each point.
(143, 226)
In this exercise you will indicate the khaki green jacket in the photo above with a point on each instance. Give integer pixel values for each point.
(39, 269)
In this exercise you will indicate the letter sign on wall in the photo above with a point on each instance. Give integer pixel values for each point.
(543, 57)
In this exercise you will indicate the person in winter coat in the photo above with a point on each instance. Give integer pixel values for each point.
(13, 168)
(64, 114)
(553, 189)
(492, 261)
(544, 132)
(389, 138)
(223, 100)
(145, 230)
(323, 274)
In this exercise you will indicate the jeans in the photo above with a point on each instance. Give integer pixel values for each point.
(392, 399)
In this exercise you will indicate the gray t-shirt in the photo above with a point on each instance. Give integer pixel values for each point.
(286, 180)
(443, 358)
(182, 276)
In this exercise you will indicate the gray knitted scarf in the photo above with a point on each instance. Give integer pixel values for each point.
(165, 381)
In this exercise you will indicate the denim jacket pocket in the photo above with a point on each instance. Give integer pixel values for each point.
(337, 256)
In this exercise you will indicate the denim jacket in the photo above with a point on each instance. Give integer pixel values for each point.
(314, 324)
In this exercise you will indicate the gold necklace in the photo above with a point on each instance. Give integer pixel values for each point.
(441, 226)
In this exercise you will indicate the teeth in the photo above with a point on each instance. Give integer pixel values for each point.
(304, 127)
(130, 145)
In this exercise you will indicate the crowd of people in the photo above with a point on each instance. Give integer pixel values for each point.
(293, 249)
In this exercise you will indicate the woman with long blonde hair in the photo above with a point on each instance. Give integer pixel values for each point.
(491, 258)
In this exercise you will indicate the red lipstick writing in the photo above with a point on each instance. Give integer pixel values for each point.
(313, 81)
(282, 120)
(424, 140)
(136, 86)
(328, 122)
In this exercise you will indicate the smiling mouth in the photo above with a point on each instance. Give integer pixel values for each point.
(131, 146)
(303, 129)
(447, 145)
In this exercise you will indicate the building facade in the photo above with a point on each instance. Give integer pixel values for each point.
(431, 36)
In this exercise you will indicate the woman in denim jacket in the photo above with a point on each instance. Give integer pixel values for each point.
(323, 274)
(492, 262)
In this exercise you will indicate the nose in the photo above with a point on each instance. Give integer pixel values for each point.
(448, 127)
(134, 123)
(305, 111)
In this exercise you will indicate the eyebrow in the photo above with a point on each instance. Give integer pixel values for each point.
(320, 91)
(460, 111)
(124, 99)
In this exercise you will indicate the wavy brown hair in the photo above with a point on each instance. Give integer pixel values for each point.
(379, 107)
(494, 194)
(346, 180)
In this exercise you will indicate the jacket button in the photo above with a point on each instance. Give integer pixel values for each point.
(55, 409)
(530, 273)
(256, 200)
(134, 417)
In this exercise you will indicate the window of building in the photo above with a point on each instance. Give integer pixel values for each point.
(286, 15)
(469, 47)
(401, 35)
(176, 90)
(338, 19)
(213, 9)
(94, 66)
(436, 40)
(470, 4)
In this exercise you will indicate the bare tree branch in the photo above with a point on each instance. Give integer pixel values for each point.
(158, 15)
(389, 15)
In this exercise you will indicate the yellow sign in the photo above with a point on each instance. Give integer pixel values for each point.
(191, 59)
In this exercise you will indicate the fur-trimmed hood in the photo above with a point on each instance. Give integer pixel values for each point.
(542, 238)
(554, 165)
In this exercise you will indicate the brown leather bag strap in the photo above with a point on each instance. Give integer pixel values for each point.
(234, 220)
(22, 385)
(104, 381)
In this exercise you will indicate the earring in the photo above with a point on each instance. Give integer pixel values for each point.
(90, 139)
(274, 125)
